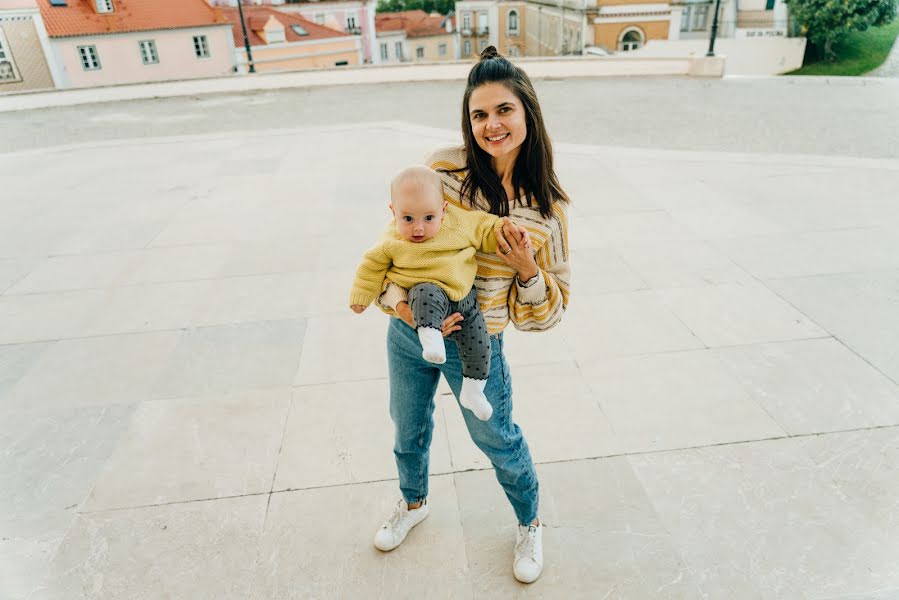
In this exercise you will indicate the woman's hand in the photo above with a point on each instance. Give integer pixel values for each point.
(450, 324)
(357, 308)
(514, 247)
(404, 312)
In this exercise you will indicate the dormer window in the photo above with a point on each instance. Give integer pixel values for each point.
(104, 6)
(275, 36)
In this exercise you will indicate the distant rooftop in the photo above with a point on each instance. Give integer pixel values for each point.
(80, 17)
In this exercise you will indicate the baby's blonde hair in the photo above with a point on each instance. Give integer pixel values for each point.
(421, 176)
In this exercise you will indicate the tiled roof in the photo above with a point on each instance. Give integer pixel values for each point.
(258, 16)
(80, 17)
(416, 23)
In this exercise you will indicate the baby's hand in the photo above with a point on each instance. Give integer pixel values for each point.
(357, 308)
(525, 239)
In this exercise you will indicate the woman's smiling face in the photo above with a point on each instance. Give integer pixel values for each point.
(497, 120)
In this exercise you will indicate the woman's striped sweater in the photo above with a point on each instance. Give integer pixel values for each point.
(537, 307)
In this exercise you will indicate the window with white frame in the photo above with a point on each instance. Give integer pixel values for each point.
(201, 46)
(297, 29)
(398, 49)
(513, 51)
(104, 6)
(466, 48)
(275, 36)
(631, 40)
(351, 22)
(695, 17)
(441, 50)
(7, 66)
(482, 46)
(420, 52)
(319, 18)
(466, 21)
(384, 55)
(148, 54)
(90, 60)
(513, 22)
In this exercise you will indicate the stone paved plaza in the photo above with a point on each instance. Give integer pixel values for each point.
(189, 410)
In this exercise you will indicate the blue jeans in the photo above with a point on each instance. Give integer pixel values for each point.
(413, 383)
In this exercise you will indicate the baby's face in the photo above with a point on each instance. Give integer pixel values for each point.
(418, 211)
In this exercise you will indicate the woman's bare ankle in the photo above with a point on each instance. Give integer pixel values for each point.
(414, 505)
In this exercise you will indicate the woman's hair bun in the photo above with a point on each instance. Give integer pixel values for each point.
(489, 52)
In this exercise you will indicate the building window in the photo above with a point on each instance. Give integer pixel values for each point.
(320, 18)
(89, 58)
(384, 52)
(441, 50)
(695, 17)
(341, 63)
(148, 52)
(631, 40)
(466, 21)
(466, 48)
(201, 46)
(275, 36)
(351, 22)
(513, 22)
(104, 6)
(299, 30)
(513, 51)
(398, 48)
(7, 68)
(482, 45)
(419, 52)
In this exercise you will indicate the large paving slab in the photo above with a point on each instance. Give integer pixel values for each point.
(189, 410)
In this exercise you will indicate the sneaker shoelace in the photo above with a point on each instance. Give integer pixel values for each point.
(525, 547)
(397, 516)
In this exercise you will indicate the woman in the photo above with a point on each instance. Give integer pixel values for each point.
(506, 168)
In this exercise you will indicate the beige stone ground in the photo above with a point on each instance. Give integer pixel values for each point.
(188, 410)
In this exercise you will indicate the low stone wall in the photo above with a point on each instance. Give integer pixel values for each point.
(537, 68)
(757, 56)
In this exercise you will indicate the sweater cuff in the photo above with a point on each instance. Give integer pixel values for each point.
(363, 299)
(392, 296)
(534, 293)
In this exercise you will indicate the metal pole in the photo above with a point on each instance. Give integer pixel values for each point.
(711, 51)
(246, 40)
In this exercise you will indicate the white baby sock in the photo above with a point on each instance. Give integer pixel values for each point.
(472, 397)
(432, 346)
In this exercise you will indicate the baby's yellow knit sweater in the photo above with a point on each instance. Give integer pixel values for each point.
(447, 259)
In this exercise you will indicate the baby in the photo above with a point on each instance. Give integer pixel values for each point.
(429, 248)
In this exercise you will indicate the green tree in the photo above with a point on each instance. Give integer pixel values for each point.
(824, 22)
(441, 6)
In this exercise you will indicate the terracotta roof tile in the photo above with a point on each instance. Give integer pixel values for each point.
(416, 23)
(80, 17)
(258, 16)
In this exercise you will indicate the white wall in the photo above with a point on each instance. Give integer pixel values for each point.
(765, 56)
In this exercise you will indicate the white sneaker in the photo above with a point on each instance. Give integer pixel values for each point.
(528, 553)
(394, 530)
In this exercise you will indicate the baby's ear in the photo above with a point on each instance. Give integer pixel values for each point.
(390, 206)
(445, 204)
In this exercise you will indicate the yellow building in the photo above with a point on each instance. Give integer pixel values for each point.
(288, 42)
(562, 27)
(624, 25)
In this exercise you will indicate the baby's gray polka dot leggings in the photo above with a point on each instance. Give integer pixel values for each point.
(430, 306)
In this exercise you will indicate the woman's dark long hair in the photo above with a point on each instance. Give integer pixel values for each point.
(533, 172)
